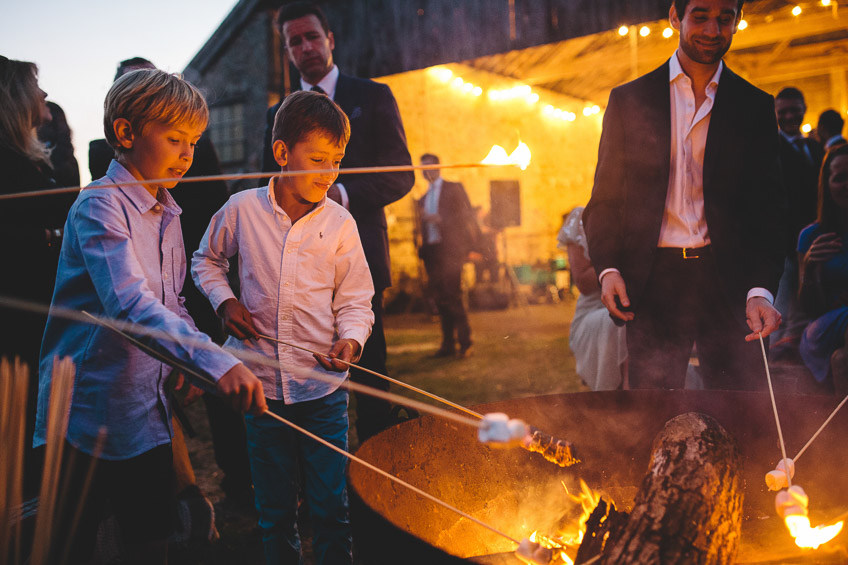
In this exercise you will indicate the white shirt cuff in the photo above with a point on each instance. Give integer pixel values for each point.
(605, 272)
(758, 291)
(343, 194)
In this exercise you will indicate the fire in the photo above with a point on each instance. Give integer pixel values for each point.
(520, 157)
(807, 536)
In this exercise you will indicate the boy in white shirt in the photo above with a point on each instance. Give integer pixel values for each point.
(304, 280)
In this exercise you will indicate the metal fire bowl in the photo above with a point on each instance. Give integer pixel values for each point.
(518, 492)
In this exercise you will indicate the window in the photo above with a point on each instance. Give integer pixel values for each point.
(226, 128)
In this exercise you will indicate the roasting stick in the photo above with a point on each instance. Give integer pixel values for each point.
(495, 429)
(389, 476)
(821, 428)
(376, 374)
(265, 361)
(774, 407)
(259, 175)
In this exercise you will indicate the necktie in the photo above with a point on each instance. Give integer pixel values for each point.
(317, 89)
(801, 148)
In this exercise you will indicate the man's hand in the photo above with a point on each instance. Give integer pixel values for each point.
(243, 389)
(193, 392)
(237, 320)
(344, 349)
(612, 287)
(762, 318)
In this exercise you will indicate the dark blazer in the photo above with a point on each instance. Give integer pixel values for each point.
(458, 225)
(743, 192)
(801, 179)
(376, 138)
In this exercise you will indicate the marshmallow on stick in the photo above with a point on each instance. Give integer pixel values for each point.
(533, 553)
(792, 502)
(777, 479)
(498, 430)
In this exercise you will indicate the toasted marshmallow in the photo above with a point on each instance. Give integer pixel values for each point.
(776, 480)
(498, 430)
(533, 553)
(791, 502)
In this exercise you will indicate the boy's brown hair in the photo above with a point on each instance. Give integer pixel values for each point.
(148, 95)
(303, 113)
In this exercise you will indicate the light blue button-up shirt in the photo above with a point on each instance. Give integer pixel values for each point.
(122, 257)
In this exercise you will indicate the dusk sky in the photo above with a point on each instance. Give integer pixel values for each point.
(77, 45)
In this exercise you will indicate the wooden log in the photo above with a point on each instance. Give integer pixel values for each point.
(689, 506)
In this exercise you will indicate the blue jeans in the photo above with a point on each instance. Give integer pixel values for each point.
(279, 456)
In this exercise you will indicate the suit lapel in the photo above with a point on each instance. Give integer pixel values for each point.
(719, 135)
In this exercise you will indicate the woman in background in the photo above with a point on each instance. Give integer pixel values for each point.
(599, 346)
(823, 256)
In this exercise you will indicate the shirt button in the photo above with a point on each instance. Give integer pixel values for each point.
(289, 251)
(287, 284)
(165, 276)
(157, 208)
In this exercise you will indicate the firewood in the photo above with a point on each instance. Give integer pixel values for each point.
(689, 506)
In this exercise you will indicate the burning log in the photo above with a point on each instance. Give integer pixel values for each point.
(689, 507)
(552, 449)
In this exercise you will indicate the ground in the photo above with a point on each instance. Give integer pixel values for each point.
(517, 352)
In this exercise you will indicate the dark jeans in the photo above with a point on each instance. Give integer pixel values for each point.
(140, 492)
(278, 455)
(444, 275)
(684, 303)
(372, 414)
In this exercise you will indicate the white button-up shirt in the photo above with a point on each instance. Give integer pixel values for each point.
(306, 283)
(684, 224)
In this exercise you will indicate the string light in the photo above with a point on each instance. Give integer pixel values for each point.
(644, 31)
(796, 11)
(668, 32)
(825, 2)
(807, 128)
(622, 31)
(743, 24)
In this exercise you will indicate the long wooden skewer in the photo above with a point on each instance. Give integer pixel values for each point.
(376, 374)
(259, 175)
(774, 408)
(421, 406)
(821, 428)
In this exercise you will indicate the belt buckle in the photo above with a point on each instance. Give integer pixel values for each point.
(691, 253)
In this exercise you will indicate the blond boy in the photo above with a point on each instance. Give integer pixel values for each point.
(123, 258)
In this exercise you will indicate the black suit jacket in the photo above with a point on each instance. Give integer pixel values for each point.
(743, 192)
(376, 138)
(801, 179)
(458, 226)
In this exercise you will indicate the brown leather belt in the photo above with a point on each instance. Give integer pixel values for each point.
(686, 252)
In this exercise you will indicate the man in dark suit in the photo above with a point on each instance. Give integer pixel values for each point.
(800, 161)
(447, 237)
(685, 207)
(829, 129)
(376, 139)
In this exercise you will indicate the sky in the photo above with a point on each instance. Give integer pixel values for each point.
(77, 45)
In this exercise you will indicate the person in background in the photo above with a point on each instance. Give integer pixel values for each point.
(377, 138)
(30, 228)
(56, 135)
(829, 129)
(598, 344)
(800, 160)
(823, 256)
(448, 237)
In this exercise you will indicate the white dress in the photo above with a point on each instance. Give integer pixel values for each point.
(599, 346)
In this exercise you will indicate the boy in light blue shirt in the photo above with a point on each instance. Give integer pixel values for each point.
(122, 258)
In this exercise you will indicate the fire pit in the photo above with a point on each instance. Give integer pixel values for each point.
(518, 492)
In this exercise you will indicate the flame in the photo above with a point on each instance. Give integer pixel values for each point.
(809, 537)
(520, 157)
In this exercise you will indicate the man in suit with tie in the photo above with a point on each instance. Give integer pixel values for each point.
(376, 139)
(685, 207)
(800, 161)
(447, 237)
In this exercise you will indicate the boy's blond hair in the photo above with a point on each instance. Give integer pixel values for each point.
(151, 95)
